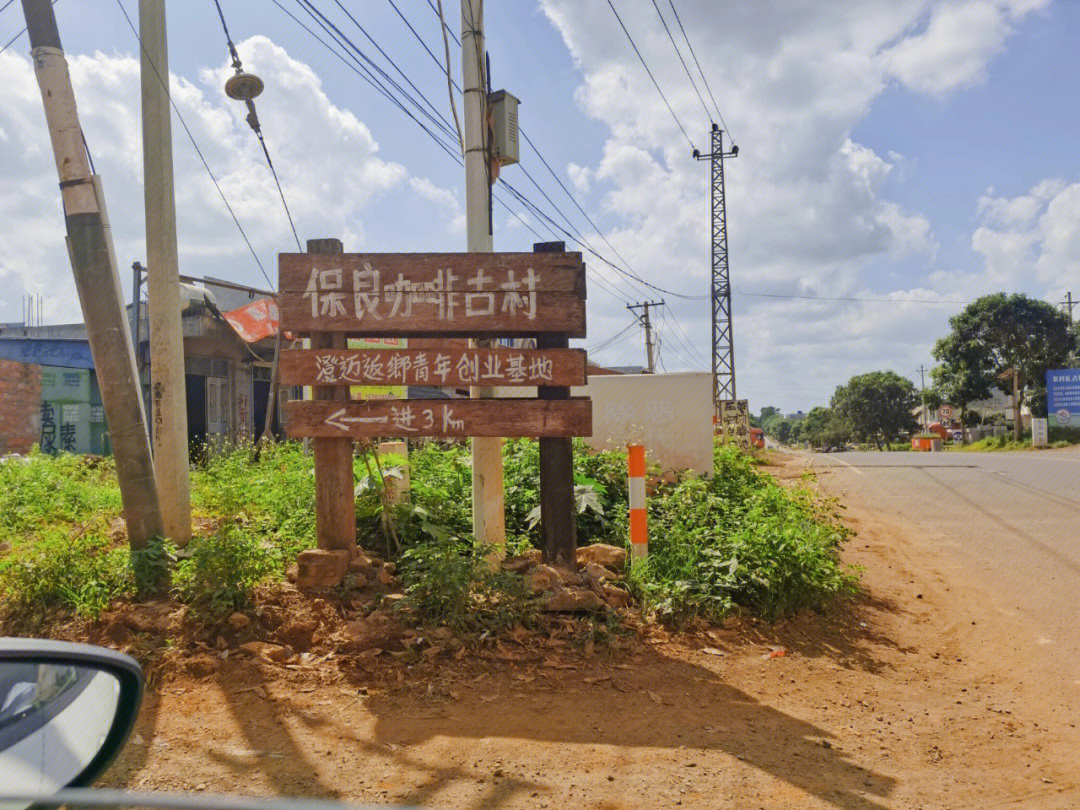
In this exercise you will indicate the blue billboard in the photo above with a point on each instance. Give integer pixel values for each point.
(1063, 397)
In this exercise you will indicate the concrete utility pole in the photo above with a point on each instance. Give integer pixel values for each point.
(97, 280)
(650, 346)
(1068, 304)
(489, 526)
(922, 387)
(168, 396)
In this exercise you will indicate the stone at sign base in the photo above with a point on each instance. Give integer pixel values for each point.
(573, 601)
(321, 568)
(611, 557)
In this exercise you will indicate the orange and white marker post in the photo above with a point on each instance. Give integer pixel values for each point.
(639, 524)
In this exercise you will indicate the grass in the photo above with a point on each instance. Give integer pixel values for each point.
(736, 541)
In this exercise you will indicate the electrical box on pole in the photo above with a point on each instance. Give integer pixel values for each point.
(503, 109)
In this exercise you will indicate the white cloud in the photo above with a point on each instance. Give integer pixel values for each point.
(958, 40)
(808, 210)
(1031, 237)
(579, 175)
(326, 158)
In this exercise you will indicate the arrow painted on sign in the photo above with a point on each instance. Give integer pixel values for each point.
(337, 420)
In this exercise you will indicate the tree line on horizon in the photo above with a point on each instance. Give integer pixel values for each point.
(993, 338)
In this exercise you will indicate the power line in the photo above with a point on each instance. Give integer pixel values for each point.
(253, 122)
(851, 298)
(687, 343)
(621, 333)
(367, 66)
(445, 27)
(363, 72)
(628, 269)
(11, 41)
(702, 72)
(3, 7)
(386, 56)
(198, 151)
(678, 53)
(651, 76)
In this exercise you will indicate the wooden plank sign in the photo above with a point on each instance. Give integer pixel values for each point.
(449, 418)
(433, 294)
(457, 367)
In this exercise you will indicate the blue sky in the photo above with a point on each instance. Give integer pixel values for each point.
(871, 136)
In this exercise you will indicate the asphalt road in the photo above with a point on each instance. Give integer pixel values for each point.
(1008, 522)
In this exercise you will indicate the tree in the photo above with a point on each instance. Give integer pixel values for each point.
(768, 411)
(877, 406)
(822, 427)
(999, 334)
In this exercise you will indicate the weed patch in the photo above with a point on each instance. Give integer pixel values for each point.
(739, 541)
(450, 583)
(80, 574)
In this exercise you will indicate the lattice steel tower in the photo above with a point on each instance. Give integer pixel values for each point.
(723, 345)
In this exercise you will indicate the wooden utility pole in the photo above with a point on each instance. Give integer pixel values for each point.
(646, 322)
(489, 519)
(335, 500)
(168, 392)
(558, 513)
(97, 280)
(1068, 304)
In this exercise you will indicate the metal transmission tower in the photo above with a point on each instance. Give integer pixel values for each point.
(723, 345)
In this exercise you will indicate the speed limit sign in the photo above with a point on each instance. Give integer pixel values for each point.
(946, 412)
(946, 423)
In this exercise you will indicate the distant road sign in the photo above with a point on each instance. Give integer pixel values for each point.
(958, 435)
(946, 423)
(946, 411)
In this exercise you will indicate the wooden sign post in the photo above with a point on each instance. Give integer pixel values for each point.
(335, 503)
(331, 296)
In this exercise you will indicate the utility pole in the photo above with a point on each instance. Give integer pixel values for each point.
(168, 396)
(489, 519)
(922, 387)
(723, 338)
(643, 318)
(1068, 304)
(97, 280)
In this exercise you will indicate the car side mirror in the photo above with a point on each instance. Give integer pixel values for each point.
(65, 712)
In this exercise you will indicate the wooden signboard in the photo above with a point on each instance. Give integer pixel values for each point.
(331, 295)
(476, 295)
(458, 367)
(441, 418)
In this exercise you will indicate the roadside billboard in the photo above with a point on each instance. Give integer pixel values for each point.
(1063, 400)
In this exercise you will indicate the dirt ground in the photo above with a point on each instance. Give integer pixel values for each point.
(909, 698)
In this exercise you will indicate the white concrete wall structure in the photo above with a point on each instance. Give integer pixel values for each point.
(670, 414)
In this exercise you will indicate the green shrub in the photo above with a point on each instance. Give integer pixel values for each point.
(221, 571)
(80, 574)
(449, 582)
(151, 566)
(738, 540)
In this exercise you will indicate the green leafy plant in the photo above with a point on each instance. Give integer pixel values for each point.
(221, 572)
(151, 566)
(80, 574)
(450, 582)
(739, 541)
